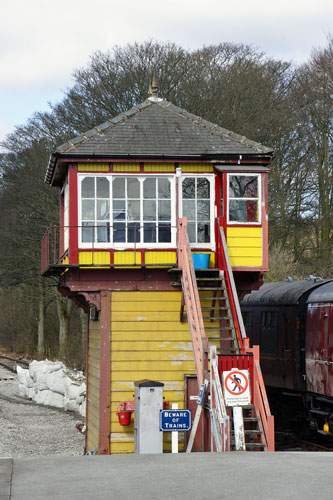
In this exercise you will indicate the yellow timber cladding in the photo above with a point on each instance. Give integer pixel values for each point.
(94, 385)
(148, 341)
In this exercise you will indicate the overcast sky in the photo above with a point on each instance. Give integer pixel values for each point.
(42, 42)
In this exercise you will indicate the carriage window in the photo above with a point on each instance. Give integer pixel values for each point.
(120, 209)
(244, 198)
(268, 335)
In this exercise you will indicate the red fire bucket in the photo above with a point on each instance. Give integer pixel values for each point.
(124, 417)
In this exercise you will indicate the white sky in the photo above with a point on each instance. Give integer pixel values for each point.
(42, 42)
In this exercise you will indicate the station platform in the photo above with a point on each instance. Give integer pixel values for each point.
(252, 476)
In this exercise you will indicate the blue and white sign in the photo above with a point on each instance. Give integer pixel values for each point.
(175, 420)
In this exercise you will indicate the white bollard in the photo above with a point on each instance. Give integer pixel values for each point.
(174, 435)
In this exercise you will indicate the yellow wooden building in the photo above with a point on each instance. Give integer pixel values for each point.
(124, 186)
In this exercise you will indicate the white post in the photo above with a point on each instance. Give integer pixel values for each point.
(239, 428)
(174, 434)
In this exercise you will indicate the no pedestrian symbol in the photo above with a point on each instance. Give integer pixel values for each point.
(236, 388)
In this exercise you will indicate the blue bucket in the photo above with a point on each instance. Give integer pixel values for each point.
(201, 260)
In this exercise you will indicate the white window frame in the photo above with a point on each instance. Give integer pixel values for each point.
(124, 245)
(258, 199)
(211, 179)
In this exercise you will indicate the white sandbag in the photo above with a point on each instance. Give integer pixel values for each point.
(34, 394)
(56, 382)
(79, 399)
(54, 366)
(32, 367)
(30, 392)
(82, 409)
(72, 389)
(41, 382)
(22, 390)
(28, 380)
(54, 399)
(21, 375)
(70, 404)
(41, 397)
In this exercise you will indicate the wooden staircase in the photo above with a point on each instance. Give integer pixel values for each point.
(217, 314)
(214, 318)
(253, 431)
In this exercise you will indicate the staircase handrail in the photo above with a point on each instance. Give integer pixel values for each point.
(225, 265)
(260, 400)
(192, 303)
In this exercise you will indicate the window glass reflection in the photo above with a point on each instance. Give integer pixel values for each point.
(102, 187)
(243, 186)
(88, 187)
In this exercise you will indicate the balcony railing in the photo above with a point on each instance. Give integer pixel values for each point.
(60, 244)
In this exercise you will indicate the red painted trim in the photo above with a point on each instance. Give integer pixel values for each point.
(249, 268)
(264, 220)
(244, 225)
(73, 214)
(105, 375)
(225, 201)
(87, 384)
(61, 223)
(112, 250)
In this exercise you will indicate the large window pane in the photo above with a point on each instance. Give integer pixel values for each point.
(164, 233)
(133, 188)
(188, 186)
(88, 209)
(189, 209)
(149, 188)
(88, 231)
(133, 210)
(164, 188)
(149, 210)
(88, 187)
(103, 232)
(149, 233)
(133, 232)
(203, 210)
(164, 210)
(119, 212)
(103, 209)
(119, 232)
(243, 211)
(118, 187)
(203, 232)
(102, 187)
(203, 188)
(243, 186)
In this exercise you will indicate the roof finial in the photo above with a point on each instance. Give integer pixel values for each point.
(154, 85)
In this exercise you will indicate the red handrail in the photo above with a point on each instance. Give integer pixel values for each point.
(224, 265)
(260, 400)
(192, 302)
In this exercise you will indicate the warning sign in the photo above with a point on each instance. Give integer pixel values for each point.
(236, 388)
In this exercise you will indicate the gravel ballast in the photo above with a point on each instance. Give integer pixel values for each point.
(27, 429)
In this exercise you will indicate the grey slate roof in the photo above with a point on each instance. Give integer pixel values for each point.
(157, 128)
(281, 293)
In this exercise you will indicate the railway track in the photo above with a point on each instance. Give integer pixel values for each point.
(11, 363)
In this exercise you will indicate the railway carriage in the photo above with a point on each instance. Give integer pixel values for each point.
(292, 321)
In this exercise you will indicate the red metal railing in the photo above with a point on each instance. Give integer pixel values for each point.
(192, 302)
